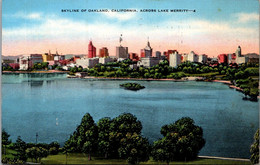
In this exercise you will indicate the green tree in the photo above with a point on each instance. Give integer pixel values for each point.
(254, 150)
(5, 140)
(120, 126)
(37, 153)
(134, 148)
(20, 147)
(85, 137)
(54, 148)
(104, 144)
(182, 141)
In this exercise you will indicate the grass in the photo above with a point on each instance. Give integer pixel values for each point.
(9, 153)
(78, 158)
(203, 74)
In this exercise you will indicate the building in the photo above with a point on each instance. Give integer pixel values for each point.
(134, 56)
(158, 54)
(174, 59)
(15, 66)
(184, 57)
(104, 60)
(91, 50)
(48, 56)
(222, 59)
(231, 58)
(87, 62)
(202, 58)
(121, 52)
(142, 53)
(252, 58)
(192, 57)
(36, 58)
(148, 51)
(148, 62)
(103, 52)
(26, 61)
(239, 58)
(238, 52)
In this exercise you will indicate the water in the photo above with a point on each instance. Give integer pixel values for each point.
(53, 105)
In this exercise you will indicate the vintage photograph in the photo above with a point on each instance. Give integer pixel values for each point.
(130, 82)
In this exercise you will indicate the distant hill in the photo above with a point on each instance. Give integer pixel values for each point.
(251, 54)
(10, 57)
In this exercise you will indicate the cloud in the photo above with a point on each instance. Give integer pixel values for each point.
(23, 15)
(119, 15)
(247, 17)
(168, 34)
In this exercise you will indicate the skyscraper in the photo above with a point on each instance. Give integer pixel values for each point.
(91, 50)
(238, 51)
(103, 52)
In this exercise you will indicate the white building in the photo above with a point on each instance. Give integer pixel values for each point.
(105, 60)
(148, 51)
(24, 62)
(175, 59)
(148, 62)
(239, 58)
(192, 57)
(87, 62)
(203, 58)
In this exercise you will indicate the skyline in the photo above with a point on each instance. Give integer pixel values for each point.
(216, 27)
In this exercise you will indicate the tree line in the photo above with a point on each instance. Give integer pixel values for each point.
(121, 138)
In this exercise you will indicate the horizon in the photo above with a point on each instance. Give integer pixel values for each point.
(217, 27)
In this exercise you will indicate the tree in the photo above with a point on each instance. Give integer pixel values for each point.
(37, 153)
(20, 147)
(254, 150)
(84, 139)
(5, 140)
(54, 148)
(134, 148)
(104, 144)
(182, 141)
(119, 127)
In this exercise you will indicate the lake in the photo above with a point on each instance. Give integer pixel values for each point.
(53, 105)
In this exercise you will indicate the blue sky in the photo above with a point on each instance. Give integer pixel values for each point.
(222, 23)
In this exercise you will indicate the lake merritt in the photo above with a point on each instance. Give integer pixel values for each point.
(52, 106)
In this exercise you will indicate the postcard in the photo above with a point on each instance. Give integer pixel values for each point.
(130, 82)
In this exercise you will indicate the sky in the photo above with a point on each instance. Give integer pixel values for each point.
(216, 26)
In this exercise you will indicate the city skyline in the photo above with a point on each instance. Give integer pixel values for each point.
(216, 27)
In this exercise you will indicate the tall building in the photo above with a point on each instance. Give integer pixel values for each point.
(148, 51)
(103, 52)
(174, 59)
(202, 58)
(222, 59)
(142, 53)
(192, 57)
(121, 52)
(158, 54)
(238, 51)
(239, 58)
(91, 50)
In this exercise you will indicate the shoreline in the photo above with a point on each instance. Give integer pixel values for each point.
(43, 71)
